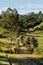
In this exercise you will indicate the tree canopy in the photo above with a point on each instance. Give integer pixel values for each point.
(11, 20)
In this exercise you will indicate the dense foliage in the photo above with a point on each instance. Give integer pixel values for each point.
(11, 20)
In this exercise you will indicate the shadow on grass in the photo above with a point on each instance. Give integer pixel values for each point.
(23, 61)
(37, 61)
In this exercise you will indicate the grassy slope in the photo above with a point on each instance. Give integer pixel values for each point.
(37, 34)
(40, 36)
(34, 58)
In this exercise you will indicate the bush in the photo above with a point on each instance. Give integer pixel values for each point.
(1, 50)
(8, 51)
(37, 51)
(2, 36)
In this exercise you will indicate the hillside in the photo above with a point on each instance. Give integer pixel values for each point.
(14, 26)
(21, 38)
(39, 27)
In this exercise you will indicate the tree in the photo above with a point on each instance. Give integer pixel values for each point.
(40, 12)
(9, 21)
(31, 44)
(34, 42)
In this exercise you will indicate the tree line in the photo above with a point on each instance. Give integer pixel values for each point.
(13, 21)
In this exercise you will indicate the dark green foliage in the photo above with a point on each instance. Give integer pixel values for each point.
(28, 41)
(1, 50)
(2, 36)
(7, 51)
(34, 42)
(12, 21)
(31, 44)
(24, 44)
